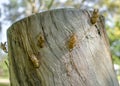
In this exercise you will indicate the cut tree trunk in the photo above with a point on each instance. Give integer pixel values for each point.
(60, 48)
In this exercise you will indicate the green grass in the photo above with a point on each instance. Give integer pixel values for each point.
(4, 84)
(118, 77)
(4, 69)
(4, 73)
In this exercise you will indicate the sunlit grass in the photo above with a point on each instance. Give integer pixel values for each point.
(4, 69)
(118, 77)
(4, 73)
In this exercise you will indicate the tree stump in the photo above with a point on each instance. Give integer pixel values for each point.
(60, 48)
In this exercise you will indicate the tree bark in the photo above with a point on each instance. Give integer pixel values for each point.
(60, 48)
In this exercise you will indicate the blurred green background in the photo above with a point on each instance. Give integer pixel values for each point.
(14, 10)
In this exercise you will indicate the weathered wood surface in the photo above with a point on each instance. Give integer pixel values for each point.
(44, 36)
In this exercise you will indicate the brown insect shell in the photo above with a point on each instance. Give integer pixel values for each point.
(95, 16)
(72, 41)
(95, 13)
(3, 46)
(35, 61)
(41, 41)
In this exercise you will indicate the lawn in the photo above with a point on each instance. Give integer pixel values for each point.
(4, 74)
